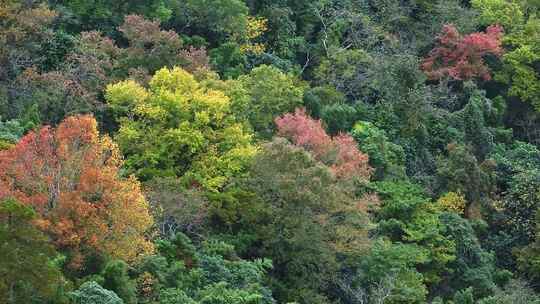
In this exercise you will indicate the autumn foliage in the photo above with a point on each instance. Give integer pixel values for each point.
(70, 176)
(461, 57)
(151, 48)
(340, 152)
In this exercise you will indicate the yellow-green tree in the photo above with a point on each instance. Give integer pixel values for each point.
(522, 41)
(452, 202)
(272, 93)
(179, 127)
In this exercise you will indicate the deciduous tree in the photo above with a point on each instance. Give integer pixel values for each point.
(341, 152)
(151, 48)
(310, 221)
(461, 57)
(180, 128)
(271, 93)
(24, 28)
(70, 177)
(407, 216)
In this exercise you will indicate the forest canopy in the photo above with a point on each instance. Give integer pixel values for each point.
(268, 152)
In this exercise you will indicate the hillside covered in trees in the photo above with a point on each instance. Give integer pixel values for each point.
(269, 151)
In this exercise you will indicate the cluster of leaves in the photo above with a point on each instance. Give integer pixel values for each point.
(461, 58)
(340, 152)
(76, 82)
(70, 176)
(178, 127)
(520, 20)
(180, 273)
(310, 220)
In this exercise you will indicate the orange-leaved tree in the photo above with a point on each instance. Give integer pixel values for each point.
(70, 176)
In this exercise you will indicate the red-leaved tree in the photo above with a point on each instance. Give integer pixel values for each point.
(462, 57)
(70, 176)
(340, 153)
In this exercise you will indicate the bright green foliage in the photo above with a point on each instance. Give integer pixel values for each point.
(214, 294)
(92, 293)
(407, 216)
(396, 263)
(174, 296)
(518, 157)
(387, 158)
(179, 128)
(519, 70)
(522, 40)
(507, 13)
(11, 131)
(272, 93)
(27, 271)
(238, 94)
